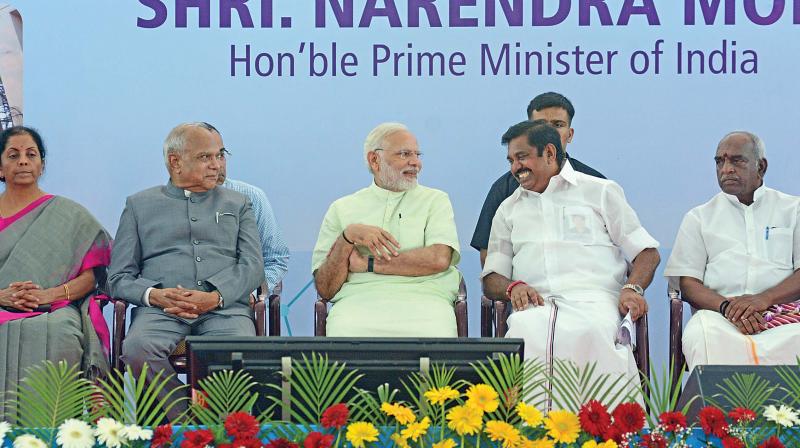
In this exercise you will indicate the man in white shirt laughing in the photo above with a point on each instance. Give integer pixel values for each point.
(735, 261)
(559, 251)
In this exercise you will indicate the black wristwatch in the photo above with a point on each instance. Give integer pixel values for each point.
(370, 264)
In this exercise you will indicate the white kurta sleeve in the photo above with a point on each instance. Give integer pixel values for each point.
(500, 253)
(622, 223)
(689, 255)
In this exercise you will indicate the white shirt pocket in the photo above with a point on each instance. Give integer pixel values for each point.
(779, 245)
(578, 224)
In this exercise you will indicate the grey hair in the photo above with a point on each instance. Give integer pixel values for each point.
(376, 136)
(758, 145)
(175, 143)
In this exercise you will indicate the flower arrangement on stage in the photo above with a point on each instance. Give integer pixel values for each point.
(328, 410)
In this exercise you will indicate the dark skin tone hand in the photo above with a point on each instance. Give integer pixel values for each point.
(186, 303)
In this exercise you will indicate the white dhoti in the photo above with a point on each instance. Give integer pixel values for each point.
(709, 338)
(581, 331)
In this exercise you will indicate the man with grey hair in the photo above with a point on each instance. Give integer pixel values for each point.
(736, 261)
(187, 253)
(386, 254)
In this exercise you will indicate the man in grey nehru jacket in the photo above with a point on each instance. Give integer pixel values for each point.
(187, 253)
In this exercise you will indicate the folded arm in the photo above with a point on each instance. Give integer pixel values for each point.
(413, 263)
(331, 275)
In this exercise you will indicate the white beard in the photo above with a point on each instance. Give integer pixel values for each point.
(392, 179)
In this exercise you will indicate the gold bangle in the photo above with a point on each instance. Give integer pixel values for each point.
(66, 290)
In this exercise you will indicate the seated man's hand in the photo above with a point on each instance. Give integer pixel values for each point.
(630, 301)
(380, 242)
(741, 306)
(174, 301)
(358, 262)
(523, 295)
(750, 324)
(203, 301)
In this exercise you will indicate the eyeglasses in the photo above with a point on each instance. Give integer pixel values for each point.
(404, 154)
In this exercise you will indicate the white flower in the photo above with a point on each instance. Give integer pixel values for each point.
(75, 434)
(109, 432)
(783, 416)
(136, 432)
(4, 428)
(28, 441)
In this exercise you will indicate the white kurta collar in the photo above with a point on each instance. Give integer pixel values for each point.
(567, 174)
(757, 194)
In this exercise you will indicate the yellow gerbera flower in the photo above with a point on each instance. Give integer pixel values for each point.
(483, 397)
(563, 426)
(538, 443)
(416, 429)
(446, 443)
(497, 430)
(531, 415)
(465, 420)
(441, 395)
(399, 441)
(607, 444)
(402, 414)
(360, 432)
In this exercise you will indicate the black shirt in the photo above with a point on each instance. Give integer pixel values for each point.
(503, 188)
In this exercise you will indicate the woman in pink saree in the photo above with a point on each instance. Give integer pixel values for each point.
(53, 255)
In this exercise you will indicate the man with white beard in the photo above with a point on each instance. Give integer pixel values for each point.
(386, 254)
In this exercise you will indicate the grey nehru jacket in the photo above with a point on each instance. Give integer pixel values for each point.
(207, 241)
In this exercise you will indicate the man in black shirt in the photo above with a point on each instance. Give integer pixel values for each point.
(558, 111)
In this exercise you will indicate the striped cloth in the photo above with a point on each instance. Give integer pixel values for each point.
(786, 313)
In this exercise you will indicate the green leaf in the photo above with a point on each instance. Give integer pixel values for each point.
(132, 399)
(515, 381)
(226, 392)
(746, 390)
(573, 386)
(316, 384)
(49, 394)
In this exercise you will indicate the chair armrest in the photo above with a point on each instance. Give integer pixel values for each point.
(502, 309)
(487, 316)
(642, 352)
(677, 359)
(460, 308)
(120, 310)
(275, 310)
(320, 316)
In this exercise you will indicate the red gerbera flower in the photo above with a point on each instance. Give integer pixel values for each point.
(654, 441)
(772, 442)
(197, 439)
(672, 421)
(713, 421)
(732, 442)
(281, 443)
(594, 418)
(241, 425)
(612, 433)
(162, 436)
(335, 416)
(629, 418)
(739, 415)
(318, 440)
(250, 442)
